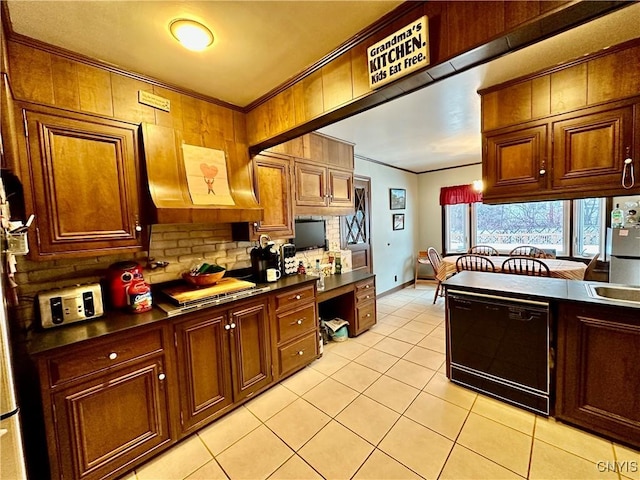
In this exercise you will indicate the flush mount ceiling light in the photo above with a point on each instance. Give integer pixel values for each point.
(191, 34)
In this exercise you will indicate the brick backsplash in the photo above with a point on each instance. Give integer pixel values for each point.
(181, 245)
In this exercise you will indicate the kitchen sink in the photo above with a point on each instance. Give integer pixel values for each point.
(611, 292)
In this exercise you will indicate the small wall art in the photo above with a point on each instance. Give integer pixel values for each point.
(398, 221)
(398, 198)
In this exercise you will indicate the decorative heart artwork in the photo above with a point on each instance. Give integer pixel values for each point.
(209, 171)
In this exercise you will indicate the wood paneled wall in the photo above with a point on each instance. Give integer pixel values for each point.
(603, 77)
(39, 76)
(454, 27)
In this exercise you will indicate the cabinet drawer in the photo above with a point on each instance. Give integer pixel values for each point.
(104, 355)
(366, 287)
(366, 295)
(365, 315)
(298, 353)
(296, 322)
(294, 298)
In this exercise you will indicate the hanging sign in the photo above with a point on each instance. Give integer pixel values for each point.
(399, 54)
(154, 101)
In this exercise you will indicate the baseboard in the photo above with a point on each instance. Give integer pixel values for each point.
(395, 289)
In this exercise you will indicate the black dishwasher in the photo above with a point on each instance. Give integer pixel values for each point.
(500, 347)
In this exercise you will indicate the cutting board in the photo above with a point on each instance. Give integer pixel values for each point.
(183, 294)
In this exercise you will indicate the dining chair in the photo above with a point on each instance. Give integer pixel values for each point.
(471, 261)
(590, 267)
(525, 266)
(435, 259)
(421, 259)
(484, 250)
(528, 251)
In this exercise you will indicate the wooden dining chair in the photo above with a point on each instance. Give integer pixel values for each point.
(436, 261)
(590, 267)
(484, 250)
(421, 259)
(528, 251)
(474, 262)
(525, 266)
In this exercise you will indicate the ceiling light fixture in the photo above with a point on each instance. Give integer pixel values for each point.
(191, 34)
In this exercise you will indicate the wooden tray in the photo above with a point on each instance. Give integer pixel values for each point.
(183, 294)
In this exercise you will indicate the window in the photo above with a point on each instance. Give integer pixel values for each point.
(457, 231)
(589, 227)
(542, 224)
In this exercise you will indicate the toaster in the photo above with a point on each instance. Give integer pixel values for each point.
(62, 306)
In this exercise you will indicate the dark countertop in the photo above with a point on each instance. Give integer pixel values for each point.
(113, 321)
(527, 287)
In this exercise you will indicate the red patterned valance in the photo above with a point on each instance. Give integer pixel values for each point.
(459, 194)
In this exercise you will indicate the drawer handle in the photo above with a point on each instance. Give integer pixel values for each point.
(227, 327)
(299, 353)
(297, 322)
(367, 286)
(298, 297)
(162, 376)
(233, 325)
(368, 296)
(113, 356)
(368, 315)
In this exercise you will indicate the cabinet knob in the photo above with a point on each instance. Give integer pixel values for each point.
(162, 376)
(113, 356)
(233, 325)
(227, 327)
(298, 297)
(368, 296)
(368, 315)
(542, 171)
(299, 322)
(368, 286)
(301, 352)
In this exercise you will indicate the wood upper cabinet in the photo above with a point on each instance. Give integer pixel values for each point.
(273, 187)
(81, 180)
(589, 150)
(106, 404)
(223, 356)
(515, 161)
(595, 389)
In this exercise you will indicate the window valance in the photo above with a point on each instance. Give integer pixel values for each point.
(459, 194)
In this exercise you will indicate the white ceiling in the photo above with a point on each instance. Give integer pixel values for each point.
(261, 44)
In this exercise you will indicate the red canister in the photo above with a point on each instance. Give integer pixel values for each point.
(119, 277)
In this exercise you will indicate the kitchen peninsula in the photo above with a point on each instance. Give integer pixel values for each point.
(584, 361)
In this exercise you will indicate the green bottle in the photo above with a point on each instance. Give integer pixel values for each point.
(617, 217)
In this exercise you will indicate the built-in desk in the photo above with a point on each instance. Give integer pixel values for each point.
(350, 296)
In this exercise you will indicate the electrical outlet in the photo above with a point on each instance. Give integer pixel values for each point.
(395, 278)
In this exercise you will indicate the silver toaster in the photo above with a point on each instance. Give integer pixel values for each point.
(62, 306)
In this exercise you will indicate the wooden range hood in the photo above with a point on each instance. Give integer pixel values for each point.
(168, 189)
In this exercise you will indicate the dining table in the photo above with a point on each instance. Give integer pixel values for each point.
(558, 268)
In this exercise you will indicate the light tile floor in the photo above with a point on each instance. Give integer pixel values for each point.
(380, 407)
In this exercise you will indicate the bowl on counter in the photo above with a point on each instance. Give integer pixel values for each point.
(203, 279)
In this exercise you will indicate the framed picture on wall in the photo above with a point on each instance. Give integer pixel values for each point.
(398, 221)
(398, 198)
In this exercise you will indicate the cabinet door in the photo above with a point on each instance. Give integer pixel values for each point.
(515, 162)
(598, 373)
(106, 423)
(84, 183)
(204, 369)
(340, 188)
(250, 349)
(311, 181)
(589, 151)
(274, 195)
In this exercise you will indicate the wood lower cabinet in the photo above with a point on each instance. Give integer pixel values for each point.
(223, 357)
(106, 405)
(83, 178)
(295, 338)
(365, 318)
(596, 389)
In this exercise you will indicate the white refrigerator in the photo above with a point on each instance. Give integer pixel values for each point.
(12, 463)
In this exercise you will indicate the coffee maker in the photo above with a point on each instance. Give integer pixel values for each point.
(264, 256)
